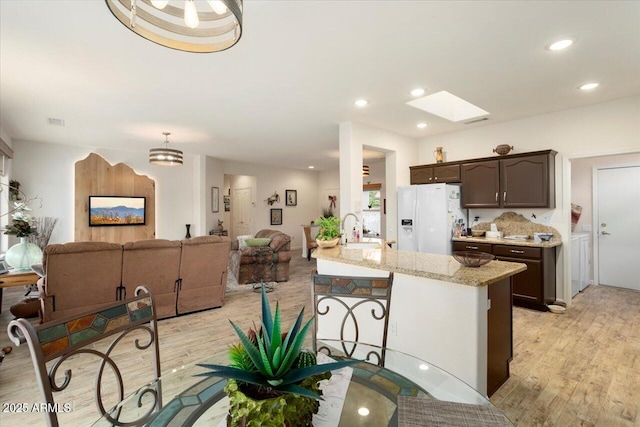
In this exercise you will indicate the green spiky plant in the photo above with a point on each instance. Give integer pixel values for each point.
(329, 228)
(273, 360)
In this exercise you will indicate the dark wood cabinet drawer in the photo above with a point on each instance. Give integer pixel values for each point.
(527, 284)
(448, 173)
(472, 247)
(517, 251)
(421, 175)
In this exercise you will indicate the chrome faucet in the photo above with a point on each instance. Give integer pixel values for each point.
(342, 231)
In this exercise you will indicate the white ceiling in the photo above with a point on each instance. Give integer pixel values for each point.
(278, 96)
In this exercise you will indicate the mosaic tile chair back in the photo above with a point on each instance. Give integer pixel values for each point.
(353, 310)
(53, 344)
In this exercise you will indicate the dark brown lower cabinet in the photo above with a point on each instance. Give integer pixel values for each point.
(536, 286)
(499, 334)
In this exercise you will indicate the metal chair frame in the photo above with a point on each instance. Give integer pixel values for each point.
(57, 341)
(367, 290)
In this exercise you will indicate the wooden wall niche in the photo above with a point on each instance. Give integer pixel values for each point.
(96, 177)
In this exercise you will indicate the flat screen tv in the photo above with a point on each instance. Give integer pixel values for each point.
(117, 210)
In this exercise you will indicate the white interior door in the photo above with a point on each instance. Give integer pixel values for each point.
(241, 213)
(618, 226)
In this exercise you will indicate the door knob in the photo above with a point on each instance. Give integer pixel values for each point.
(604, 233)
(603, 225)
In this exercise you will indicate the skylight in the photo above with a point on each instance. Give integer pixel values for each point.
(448, 106)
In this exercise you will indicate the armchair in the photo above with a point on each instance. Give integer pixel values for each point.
(244, 262)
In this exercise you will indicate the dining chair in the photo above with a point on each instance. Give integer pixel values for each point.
(54, 345)
(311, 243)
(354, 309)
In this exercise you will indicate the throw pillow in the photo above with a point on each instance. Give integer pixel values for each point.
(242, 240)
(264, 241)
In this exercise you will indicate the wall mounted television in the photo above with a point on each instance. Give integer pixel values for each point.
(117, 210)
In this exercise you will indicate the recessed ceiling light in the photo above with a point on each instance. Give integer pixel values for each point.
(417, 92)
(422, 125)
(311, 167)
(361, 103)
(363, 411)
(560, 44)
(589, 86)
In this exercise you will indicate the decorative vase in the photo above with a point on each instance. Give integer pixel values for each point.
(276, 409)
(438, 155)
(188, 235)
(503, 149)
(328, 243)
(23, 255)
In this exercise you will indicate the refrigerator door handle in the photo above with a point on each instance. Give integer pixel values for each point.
(416, 241)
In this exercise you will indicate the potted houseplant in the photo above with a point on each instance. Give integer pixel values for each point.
(271, 380)
(329, 233)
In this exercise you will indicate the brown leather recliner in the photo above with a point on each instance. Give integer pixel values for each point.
(154, 263)
(80, 276)
(203, 273)
(252, 264)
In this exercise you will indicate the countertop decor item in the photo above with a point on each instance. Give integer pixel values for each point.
(329, 230)
(328, 243)
(165, 156)
(210, 26)
(477, 233)
(271, 380)
(472, 259)
(503, 149)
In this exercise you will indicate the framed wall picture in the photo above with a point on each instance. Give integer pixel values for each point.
(276, 216)
(215, 199)
(291, 197)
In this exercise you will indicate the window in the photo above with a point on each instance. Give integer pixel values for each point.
(371, 213)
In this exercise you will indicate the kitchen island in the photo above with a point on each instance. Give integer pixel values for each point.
(458, 318)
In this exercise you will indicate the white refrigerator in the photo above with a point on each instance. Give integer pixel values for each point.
(427, 215)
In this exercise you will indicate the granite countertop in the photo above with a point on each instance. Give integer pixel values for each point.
(431, 266)
(529, 242)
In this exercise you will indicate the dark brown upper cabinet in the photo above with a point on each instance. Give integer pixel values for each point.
(433, 174)
(518, 181)
(481, 184)
(525, 182)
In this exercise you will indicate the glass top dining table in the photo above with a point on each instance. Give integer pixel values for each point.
(364, 394)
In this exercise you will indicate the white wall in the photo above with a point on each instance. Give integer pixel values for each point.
(47, 170)
(214, 177)
(328, 182)
(608, 128)
(270, 179)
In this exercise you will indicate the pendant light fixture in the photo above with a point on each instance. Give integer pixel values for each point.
(165, 156)
(365, 170)
(187, 25)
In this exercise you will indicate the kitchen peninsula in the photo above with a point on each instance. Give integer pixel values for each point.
(458, 318)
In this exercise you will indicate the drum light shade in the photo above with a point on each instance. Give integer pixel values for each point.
(187, 25)
(165, 156)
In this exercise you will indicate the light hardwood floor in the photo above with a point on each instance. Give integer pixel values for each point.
(581, 368)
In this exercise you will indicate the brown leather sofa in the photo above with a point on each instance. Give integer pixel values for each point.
(269, 263)
(184, 276)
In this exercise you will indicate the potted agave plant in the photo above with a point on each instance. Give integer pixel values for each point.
(272, 380)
